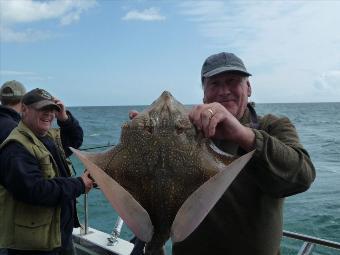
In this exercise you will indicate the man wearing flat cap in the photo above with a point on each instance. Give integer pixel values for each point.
(37, 192)
(11, 93)
(248, 217)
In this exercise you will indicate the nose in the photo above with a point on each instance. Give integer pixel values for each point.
(224, 89)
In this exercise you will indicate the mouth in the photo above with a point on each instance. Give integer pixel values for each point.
(47, 121)
(224, 101)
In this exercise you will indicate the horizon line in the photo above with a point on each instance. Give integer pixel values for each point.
(139, 105)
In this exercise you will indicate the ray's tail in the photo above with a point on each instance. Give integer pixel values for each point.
(154, 250)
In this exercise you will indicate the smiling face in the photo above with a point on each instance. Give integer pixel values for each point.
(229, 89)
(39, 121)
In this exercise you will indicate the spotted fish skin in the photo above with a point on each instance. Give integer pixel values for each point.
(161, 160)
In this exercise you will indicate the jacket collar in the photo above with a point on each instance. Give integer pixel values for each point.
(9, 112)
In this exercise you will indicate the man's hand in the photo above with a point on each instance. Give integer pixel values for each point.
(61, 115)
(132, 114)
(217, 122)
(88, 181)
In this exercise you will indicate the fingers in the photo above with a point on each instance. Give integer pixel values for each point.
(206, 118)
(199, 116)
(61, 115)
(88, 181)
(132, 114)
(59, 103)
(215, 119)
(95, 185)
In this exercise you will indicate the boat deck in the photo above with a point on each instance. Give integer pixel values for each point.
(96, 242)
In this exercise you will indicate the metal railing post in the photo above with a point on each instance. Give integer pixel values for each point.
(86, 212)
(306, 248)
(84, 230)
(312, 240)
(113, 239)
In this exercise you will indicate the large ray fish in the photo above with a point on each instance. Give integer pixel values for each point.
(163, 177)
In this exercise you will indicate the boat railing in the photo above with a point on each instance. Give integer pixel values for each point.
(309, 242)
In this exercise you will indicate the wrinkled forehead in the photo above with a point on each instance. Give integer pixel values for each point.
(231, 76)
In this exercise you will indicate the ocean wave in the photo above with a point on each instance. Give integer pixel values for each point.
(95, 134)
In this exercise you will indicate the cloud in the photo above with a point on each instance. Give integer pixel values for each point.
(295, 39)
(202, 11)
(24, 75)
(17, 73)
(29, 11)
(25, 11)
(328, 80)
(28, 35)
(150, 14)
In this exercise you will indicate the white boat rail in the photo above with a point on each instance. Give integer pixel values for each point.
(87, 239)
(96, 242)
(309, 242)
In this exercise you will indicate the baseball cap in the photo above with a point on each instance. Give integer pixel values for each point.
(222, 62)
(12, 89)
(39, 98)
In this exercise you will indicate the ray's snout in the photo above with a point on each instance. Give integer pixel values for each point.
(166, 95)
(165, 103)
(167, 98)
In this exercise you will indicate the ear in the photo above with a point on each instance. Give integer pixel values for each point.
(249, 89)
(23, 108)
(204, 97)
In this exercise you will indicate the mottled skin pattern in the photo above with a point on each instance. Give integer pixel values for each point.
(161, 159)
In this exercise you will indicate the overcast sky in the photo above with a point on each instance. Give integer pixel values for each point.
(90, 52)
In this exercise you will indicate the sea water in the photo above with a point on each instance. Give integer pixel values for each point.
(315, 212)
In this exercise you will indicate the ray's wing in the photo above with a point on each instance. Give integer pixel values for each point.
(133, 214)
(201, 201)
(102, 158)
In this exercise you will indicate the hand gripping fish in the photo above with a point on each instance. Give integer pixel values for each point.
(163, 177)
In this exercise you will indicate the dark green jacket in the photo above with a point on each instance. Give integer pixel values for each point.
(36, 194)
(28, 226)
(247, 220)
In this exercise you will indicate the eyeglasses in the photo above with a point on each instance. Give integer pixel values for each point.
(46, 108)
